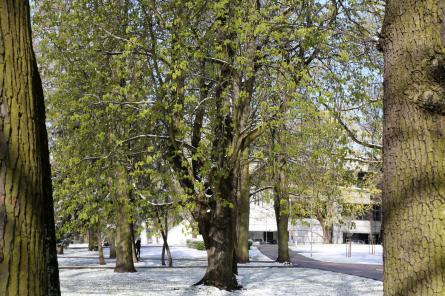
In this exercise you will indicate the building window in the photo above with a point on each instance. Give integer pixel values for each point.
(377, 212)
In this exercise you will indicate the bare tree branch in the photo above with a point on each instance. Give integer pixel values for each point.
(260, 190)
(350, 133)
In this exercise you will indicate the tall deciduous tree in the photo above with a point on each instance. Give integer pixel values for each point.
(413, 148)
(28, 262)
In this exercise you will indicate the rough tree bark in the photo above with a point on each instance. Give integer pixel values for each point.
(242, 251)
(413, 39)
(28, 260)
(218, 231)
(124, 243)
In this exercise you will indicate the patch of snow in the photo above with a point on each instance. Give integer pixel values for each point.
(337, 253)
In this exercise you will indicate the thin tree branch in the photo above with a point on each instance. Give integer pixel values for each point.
(260, 190)
(350, 133)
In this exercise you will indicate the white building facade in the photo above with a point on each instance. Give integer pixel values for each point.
(364, 229)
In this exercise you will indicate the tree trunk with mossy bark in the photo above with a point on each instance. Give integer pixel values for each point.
(413, 41)
(28, 259)
(124, 243)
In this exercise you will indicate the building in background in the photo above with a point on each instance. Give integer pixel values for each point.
(364, 229)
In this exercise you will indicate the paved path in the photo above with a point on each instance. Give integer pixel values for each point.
(370, 271)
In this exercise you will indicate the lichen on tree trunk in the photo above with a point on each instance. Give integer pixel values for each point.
(413, 148)
(28, 259)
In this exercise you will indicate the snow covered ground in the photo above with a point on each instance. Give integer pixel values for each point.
(80, 275)
(79, 256)
(337, 253)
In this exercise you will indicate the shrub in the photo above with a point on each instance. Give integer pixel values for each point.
(195, 244)
(250, 243)
(200, 246)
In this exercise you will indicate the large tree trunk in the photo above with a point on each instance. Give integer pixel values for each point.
(124, 243)
(28, 260)
(414, 148)
(218, 230)
(243, 209)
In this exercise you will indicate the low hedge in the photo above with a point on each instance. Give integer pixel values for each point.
(250, 243)
(196, 244)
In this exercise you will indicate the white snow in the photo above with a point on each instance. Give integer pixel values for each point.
(80, 275)
(337, 253)
(178, 281)
(151, 256)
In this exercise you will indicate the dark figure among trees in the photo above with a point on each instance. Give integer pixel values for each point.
(137, 247)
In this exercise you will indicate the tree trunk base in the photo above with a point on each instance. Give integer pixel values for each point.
(122, 269)
(281, 260)
(205, 281)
